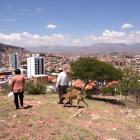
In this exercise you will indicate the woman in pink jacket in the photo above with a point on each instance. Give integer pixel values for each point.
(17, 86)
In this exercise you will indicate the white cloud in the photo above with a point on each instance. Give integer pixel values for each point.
(107, 36)
(27, 40)
(90, 37)
(51, 26)
(38, 9)
(8, 20)
(76, 41)
(108, 33)
(127, 25)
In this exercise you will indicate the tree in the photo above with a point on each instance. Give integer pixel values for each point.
(130, 84)
(111, 89)
(90, 69)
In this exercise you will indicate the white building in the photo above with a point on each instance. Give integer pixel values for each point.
(35, 66)
(14, 61)
(23, 71)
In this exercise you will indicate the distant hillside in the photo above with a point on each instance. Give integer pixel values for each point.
(95, 49)
(114, 47)
(4, 47)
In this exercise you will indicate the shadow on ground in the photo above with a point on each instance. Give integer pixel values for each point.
(28, 106)
(112, 101)
(75, 106)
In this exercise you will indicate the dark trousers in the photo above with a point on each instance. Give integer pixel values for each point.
(20, 95)
(62, 90)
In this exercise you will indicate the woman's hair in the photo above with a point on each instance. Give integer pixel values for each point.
(17, 71)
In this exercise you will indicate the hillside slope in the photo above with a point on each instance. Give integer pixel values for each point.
(4, 47)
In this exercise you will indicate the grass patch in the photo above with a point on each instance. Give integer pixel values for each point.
(131, 124)
(72, 132)
(132, 104)
(137, 132)
(65, 137)
(114, 132)
(22, 138)
(5, 108)
(81, 132)
(4, 115)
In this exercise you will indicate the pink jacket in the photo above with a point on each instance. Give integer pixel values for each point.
(17, 83)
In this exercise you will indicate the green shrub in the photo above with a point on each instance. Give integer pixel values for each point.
(5, 88)
(110, 90)
(35, 88)
(88, 95)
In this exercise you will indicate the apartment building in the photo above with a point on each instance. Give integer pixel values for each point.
(14, 61)
(0, 60)
(35, 66)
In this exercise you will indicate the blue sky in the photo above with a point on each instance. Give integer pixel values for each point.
(31, 23)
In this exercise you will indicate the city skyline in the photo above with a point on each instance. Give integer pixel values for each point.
(51, 22)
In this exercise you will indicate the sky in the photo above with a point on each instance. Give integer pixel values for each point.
(34, 23)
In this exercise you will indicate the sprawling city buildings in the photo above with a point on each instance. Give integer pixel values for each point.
(45, 65)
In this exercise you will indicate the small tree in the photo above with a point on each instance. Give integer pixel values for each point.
(90, 69)
(111, 89)
(130, 84)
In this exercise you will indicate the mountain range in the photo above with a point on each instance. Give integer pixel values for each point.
(95, 49)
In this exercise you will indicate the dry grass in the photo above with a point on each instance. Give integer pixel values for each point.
(45, 119)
